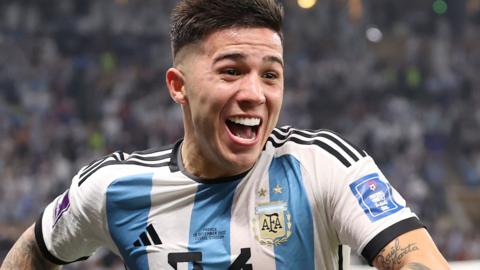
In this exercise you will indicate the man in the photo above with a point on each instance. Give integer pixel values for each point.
(234, 193)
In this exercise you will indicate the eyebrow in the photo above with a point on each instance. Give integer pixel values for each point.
(229, 56)
(273, 59)
(241, 56)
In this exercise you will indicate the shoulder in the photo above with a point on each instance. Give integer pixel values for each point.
(324, 144)
(120, 164)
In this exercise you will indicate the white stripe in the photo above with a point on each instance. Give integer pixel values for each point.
(243, 227)
(165, 198)
(149, 162)
(155, 154)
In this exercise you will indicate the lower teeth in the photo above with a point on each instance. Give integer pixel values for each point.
(240, 136)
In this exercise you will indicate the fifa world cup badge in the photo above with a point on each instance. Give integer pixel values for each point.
(272, 223)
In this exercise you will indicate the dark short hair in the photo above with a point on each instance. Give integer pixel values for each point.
(193, 20)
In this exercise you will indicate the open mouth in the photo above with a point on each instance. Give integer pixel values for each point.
(244, 127)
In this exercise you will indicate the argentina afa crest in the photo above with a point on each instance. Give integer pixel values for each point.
(272, 223)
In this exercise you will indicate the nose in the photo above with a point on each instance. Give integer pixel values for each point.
(251, 90)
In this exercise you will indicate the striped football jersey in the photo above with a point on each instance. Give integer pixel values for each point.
(310, 197)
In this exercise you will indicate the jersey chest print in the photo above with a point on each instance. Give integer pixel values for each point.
(280, 223)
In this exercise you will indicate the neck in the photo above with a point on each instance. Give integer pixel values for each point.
(197, 163)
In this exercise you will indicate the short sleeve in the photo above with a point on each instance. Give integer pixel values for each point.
(368, 212)
(70, 228)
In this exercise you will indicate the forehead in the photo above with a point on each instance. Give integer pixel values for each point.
(261, 41)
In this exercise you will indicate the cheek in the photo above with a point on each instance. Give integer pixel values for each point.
(210, 104)
(214, 97)
(207, 107)
(275, 101)
(208, 93)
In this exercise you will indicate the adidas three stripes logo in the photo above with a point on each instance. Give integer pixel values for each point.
(148, 238)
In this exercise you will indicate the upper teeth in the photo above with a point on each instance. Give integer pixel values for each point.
(245, 121)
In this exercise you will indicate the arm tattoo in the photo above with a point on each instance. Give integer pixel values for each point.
(416, 266)
(25, 255)
(393, 258)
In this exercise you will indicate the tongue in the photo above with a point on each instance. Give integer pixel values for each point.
(241, 131)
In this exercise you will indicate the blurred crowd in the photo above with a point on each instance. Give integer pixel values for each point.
(82, 78)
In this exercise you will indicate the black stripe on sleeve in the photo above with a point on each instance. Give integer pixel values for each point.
(321, 144)
(341, 145)
(375, 245)
(322, 133)
(43, 247)
(101, 165)
(360, 151)
(340, 257)
(91, 166)
(284, 135)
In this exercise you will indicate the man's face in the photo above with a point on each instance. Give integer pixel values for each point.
(233, 90)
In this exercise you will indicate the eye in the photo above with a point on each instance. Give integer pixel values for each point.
(230, 71)
(270, 75)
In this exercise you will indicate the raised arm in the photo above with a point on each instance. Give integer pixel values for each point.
(25, 254)
(414, 250)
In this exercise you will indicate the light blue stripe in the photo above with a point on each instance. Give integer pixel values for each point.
(210, 224)
(128, 205)
(298, 251)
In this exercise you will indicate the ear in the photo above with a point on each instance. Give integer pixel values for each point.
(176, 85)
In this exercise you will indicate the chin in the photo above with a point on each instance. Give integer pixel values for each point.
(241, 162)
(240, 157)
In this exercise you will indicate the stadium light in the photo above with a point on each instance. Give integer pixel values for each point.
(374, 34)
(306, 3)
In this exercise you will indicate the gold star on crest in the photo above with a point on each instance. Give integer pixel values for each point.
(277, 189)
(262, 192)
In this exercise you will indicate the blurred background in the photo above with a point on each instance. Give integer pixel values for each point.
(82, 78)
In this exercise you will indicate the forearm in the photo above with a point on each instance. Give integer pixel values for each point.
(416, 266)
(25, 255)
(412, 251)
